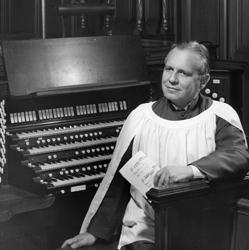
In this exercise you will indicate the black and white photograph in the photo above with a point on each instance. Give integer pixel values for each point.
(124, 125)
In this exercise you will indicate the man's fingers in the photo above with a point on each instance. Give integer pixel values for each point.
(78, 243)
(84, 239)
(79, 237)
(164, 180)
(72, 241)
(67, 242)
(82, 242)
(161, 178)
(156, 178)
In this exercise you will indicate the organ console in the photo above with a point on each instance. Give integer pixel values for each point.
(68, 99)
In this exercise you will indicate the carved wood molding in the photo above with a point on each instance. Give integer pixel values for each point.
(223, 28)
(139, 17)
(236, 26)
(81, 9)
(165, 16)
(176, 192)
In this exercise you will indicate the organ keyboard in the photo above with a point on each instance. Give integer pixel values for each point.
(61, 134)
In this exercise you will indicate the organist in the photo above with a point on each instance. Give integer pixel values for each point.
(187, 135)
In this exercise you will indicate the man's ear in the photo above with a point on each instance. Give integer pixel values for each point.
(204, 80)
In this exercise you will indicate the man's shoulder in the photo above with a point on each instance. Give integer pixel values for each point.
(138, 113)
(142, 107)
(227, 112)
(223, 106)
(208, 102)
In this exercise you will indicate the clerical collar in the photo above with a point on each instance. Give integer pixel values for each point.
(189, 106)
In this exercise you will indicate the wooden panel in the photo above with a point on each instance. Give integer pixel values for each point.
(241, 230)
(234, 27)
(53, 21)
(207, 12)
(20, 18)
(152, 16)
(205, 21)
(125, 11)
(196, 215)
(125, 18)
(2, 16)
(238, 25)
(244, 24)
(223, 22)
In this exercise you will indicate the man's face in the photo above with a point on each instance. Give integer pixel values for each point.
(181, 81)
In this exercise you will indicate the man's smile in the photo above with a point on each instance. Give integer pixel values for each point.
(172, 88)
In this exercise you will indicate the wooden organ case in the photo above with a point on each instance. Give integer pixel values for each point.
(68, 100)
(2, 120)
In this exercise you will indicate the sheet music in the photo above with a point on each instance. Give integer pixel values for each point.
(140, 171)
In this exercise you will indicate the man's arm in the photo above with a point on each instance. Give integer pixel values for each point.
(230, 158)
(107, 221)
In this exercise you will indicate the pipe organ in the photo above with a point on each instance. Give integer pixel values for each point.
(68, 101)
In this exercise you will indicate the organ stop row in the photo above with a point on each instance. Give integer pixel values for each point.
(68, 99)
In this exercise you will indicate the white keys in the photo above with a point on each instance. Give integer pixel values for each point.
(72, 163)
(69, 146)
(56, 131)
(76, 180)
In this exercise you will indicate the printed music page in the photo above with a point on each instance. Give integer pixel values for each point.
(140, 171)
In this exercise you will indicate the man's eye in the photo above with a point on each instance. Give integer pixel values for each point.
(183, 73)
(167, 68)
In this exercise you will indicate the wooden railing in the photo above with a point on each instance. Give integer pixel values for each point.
(197, 215)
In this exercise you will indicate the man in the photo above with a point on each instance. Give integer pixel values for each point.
(186, 134)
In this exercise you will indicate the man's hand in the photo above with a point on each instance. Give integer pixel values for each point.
(80, 240)
(172, 174)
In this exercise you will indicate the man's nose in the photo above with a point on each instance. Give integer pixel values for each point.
(173, 78)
